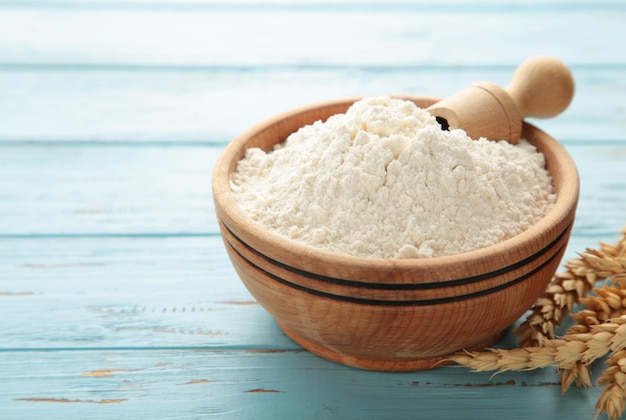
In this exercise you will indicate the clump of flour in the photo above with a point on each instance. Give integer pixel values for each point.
(384, 181)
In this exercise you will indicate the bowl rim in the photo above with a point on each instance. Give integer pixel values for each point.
(343, 266)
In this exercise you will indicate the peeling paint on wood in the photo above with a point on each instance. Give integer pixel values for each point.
(69, 401)
(199, 381)
(106, 372)
(5, 294)
(261, 391)
(61, 266)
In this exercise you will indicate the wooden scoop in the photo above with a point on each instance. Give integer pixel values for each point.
(541, 87)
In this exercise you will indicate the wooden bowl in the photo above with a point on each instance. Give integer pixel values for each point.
(386, 314)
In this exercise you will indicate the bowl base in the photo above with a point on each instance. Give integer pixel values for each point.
(406, 365)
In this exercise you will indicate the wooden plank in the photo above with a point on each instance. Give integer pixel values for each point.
(138, 292)
(86, 190)
(357, 36)
(173, 293)
(601, 211)
(208, 105)
(160, 190)
(270, 385)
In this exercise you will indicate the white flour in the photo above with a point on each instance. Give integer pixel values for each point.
(384, 181)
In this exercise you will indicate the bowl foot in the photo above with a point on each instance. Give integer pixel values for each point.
(406, 365)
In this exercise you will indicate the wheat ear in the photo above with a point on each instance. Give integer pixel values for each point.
(569, 287)
(612, 401)
(564, 353)
(608, 302)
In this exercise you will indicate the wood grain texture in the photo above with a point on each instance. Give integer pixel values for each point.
(84, 103)
(124, 292)
(249, 384)
(116, 295)
(405, 34)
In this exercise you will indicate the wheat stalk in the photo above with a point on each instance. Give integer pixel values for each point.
(609, 302)
(570, 287)
(565, 353)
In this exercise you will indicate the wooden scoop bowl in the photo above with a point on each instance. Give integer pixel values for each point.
(541, 87)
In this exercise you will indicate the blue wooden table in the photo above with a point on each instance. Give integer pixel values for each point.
(117, 299)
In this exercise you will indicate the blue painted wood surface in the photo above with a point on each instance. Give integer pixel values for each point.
(117, 299)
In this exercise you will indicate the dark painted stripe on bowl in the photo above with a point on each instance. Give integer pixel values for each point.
(377, 302)
(404, 286)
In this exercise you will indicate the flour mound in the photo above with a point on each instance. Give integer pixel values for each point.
(384, 181)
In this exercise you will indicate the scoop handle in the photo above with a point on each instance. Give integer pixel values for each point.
(541, 87)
